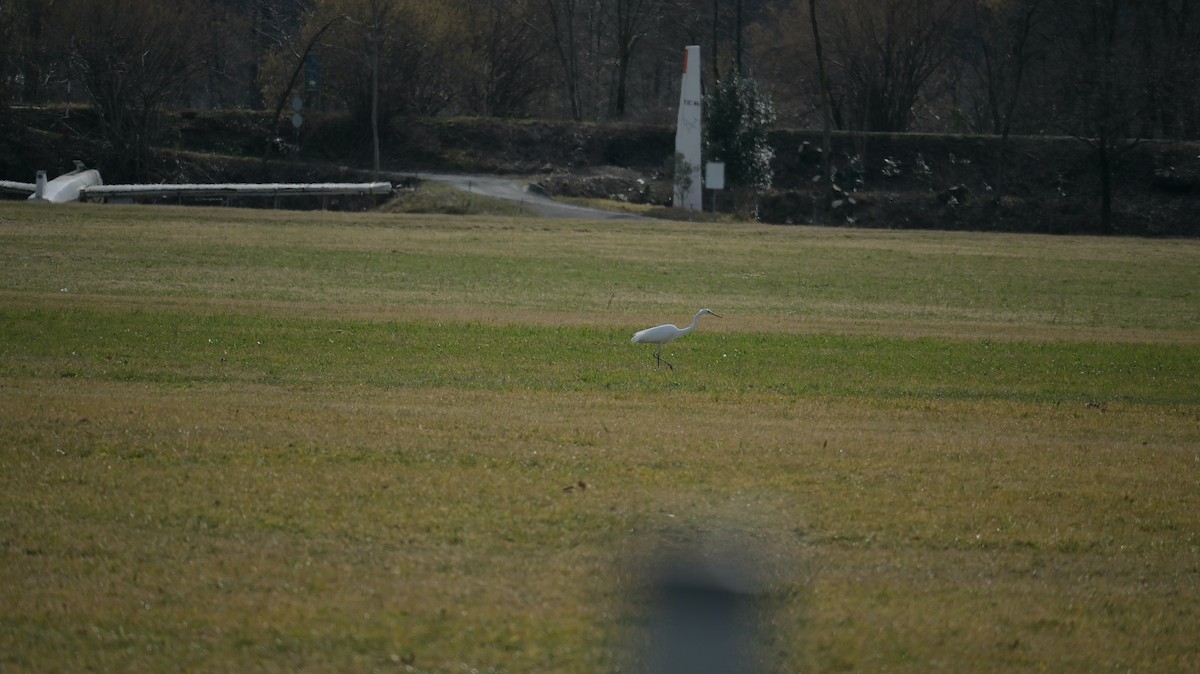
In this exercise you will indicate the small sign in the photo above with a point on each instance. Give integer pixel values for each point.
(714, 175)
(297, 120)
(297, 103)
(312, 73)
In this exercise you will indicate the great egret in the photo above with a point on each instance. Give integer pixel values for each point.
(662, 334)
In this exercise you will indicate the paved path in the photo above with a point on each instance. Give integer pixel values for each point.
(513, 189)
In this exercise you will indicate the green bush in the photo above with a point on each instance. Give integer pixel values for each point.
(737, 119)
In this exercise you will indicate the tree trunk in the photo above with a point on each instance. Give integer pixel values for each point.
(1106, 195)
(716, 22)
(375, 105)
(737, 38)
(287, 91)
(563, 25)
(826, 111)
(622, 78)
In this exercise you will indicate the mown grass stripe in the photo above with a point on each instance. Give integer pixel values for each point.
(169, 347)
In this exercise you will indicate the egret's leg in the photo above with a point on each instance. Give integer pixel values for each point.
(660, 359)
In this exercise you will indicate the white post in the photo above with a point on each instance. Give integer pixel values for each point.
(688, 186)
(714, 179)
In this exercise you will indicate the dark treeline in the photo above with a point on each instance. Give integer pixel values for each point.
(1105, 72)
(1090, 68)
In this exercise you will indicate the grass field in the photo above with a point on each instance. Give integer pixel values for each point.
(236, 440)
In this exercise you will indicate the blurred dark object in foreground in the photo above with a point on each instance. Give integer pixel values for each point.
(702, 620)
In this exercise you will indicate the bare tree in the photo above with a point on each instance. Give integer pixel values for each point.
(879, 58)
(1008, 38)
(652, 78)
(826, 107)
(385, 58)
(278, 36)
(563, 18)
(887, 51)
(131, 56)
(506, 57)
(374, 30)
(783, 49)
(300, 58)
(634, 21)
(8, 56)
(1167, 41)
(1096, 92)
(30, 55)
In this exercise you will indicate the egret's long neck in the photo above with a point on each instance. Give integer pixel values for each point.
(695, 322)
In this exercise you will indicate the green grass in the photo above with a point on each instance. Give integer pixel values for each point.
(781, 278)
(175, 348)
(433, 197)
(254, 440)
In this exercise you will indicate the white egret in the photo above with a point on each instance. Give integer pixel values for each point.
(662, 334)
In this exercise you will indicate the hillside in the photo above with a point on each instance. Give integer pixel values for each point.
(892, 181)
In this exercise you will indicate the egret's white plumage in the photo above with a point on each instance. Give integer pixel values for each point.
(661, 334)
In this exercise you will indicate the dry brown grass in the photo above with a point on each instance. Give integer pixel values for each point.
(324, 529)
